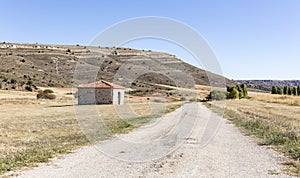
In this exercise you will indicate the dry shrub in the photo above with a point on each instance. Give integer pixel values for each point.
(45, 95)
(48, 91)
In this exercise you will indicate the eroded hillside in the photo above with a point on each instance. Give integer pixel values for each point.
(24, 65)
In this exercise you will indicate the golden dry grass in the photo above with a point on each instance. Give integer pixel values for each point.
(33, 131)
(280, 99)
(273, 119)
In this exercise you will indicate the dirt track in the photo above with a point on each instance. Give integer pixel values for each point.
(165, 148)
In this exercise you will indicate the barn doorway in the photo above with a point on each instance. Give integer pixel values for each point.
(119, 98)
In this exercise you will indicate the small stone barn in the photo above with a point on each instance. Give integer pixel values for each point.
(101, 92)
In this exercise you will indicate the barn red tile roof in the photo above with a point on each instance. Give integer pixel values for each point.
(101, 84)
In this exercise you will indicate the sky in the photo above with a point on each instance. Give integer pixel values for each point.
(252, 39)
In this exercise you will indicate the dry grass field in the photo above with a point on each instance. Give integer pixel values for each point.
(280, 99)
(274, 120)
(33, 131)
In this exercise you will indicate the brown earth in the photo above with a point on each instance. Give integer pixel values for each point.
(33, 65)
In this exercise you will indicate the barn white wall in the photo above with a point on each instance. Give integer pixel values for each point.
(115, 96)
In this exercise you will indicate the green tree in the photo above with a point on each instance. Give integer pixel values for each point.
(274, 90)
(244, 88)
(234, 94)
(229, 88)
(279, 91)
(295, 92)
(298, 90)
(285, 90)
(240, 90)
(289, 90)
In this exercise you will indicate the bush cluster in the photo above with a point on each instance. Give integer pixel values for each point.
(236, 92)
(287, 90)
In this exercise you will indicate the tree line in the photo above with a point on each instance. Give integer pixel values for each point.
(287, 90)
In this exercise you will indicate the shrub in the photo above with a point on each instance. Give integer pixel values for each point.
(48, 91)
(0, 86)
(234, 94)
(298, 90)
(28, 88)
(29, 82)
(45, 95)
(279, 91)
(68, 51)
(274, 90)
(285, 90)
(217, 95)
(13, 81)
(239, 90)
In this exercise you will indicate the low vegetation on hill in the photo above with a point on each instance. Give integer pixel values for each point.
(54, 65)
(26, 84)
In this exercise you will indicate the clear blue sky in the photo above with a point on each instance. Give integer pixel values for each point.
(253, 39)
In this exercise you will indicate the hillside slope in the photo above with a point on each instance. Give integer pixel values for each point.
(54, 65)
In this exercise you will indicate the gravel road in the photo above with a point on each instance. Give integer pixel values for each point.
(176, 145)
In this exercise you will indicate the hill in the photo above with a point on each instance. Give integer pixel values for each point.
(266, 85)
(30, 65)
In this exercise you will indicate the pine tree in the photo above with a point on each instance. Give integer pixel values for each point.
(244, 88)
(289, 90)
(279, 91)
(285, 90)
(274, 90)
(295, 92)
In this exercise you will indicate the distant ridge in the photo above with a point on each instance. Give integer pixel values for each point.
(266, 85)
